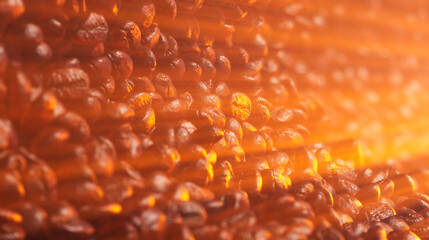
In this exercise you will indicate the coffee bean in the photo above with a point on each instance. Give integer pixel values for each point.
(125, 36)
(89, 29)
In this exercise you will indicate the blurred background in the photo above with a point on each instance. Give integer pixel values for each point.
(368, 62)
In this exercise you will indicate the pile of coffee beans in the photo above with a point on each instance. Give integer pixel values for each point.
(169, 119)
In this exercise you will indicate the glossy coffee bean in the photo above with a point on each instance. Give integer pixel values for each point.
(125, 36)
(89, 29)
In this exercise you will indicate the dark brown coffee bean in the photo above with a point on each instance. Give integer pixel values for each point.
(115, 229)
(116, 114)
(199, 194)
(153, 224)
(50, 142)
(141, 12)
(162, 47)
(101, 156)
(127, 144)
(118, 189)
(354, 230)
(212, 232)
(201, 167)
(207, 136)
(54, 29)
(34, 218)
(376, 232)
(164, 86)
(223, 176)
(167, 10)
(396, 223)
(75, 124)
(69, 229)
(223, 66)
(375, 212)
(145, 120)
(144, 61)
(323, 232)
(347, 204)
(158, 157)
(192, 213)
(143, 84)
(164, 133)
(409, 215)
(81, 193)
(89, 29)
(68, 83)
(125, 36)
(123, 89)
(402, 234)
(150, 36)
(122, 64)
(420, 229)
(39, 181)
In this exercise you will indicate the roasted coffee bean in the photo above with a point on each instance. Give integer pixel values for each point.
(127, 144)
(116, 114)
(122, 64)
(396, 223)
(212, 232)
(89, 29)
(158, 157)
(153, 224)
(101, 156)
(403, 183)
(162, 47)
(369, 193)
(144, 61)
(375, 212)
(69, 229)
(68, 83)
(164, 86)
(402, 234)
(167, 10)
(409, 215)
(141, 12)
(144, 120)
(34, 218)
(75, 124)
(150, 36)
(193, 214)
(125, 36)
(81, 193)
(115, 229)
(348, 204)
(207, 136)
